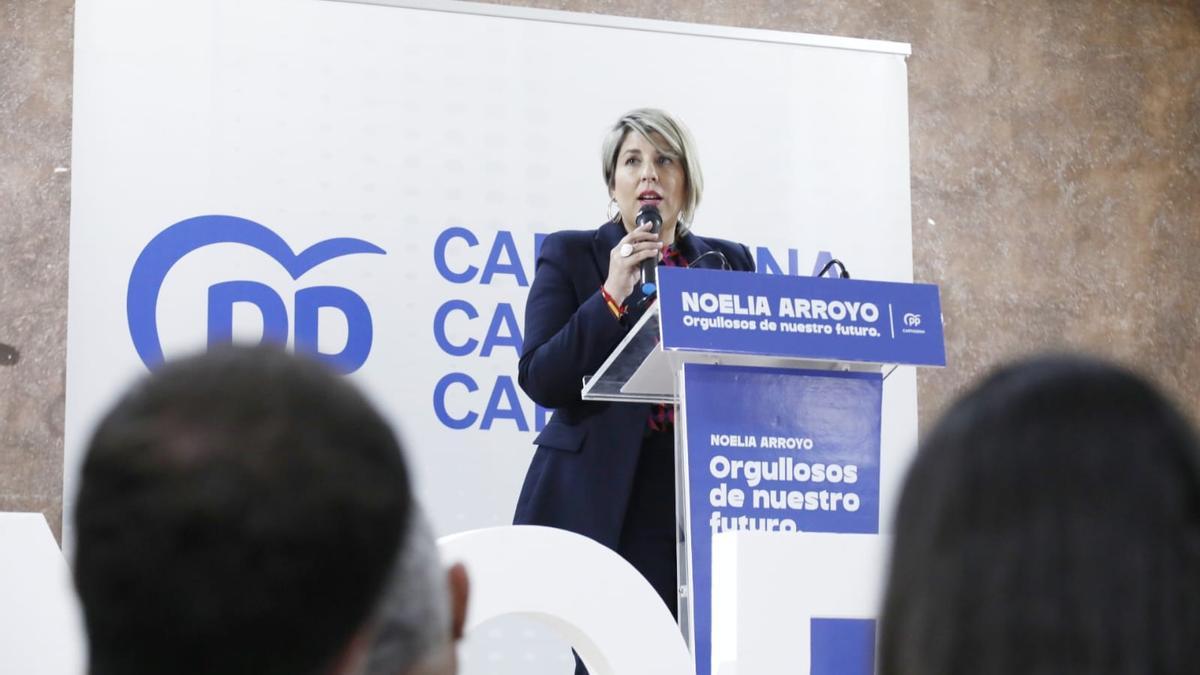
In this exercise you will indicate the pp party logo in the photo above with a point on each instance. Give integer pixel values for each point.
(177, 241)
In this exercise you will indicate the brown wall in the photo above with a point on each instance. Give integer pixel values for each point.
(35, 138)
(1055, 173)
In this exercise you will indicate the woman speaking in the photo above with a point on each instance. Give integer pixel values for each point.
(606, 470)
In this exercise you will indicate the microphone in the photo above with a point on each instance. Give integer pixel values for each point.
(649, 214)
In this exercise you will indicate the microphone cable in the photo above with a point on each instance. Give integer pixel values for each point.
(834, 261)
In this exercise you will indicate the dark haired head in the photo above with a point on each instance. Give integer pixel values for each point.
(1050, 524)
(238, 512)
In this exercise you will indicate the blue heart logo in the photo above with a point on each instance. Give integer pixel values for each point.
(180, 239)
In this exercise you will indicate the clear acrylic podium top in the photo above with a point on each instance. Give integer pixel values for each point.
(639, 371)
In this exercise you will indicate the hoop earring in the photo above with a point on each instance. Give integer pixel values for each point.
(613, 214)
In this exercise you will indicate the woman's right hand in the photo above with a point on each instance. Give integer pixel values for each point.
(625, 271)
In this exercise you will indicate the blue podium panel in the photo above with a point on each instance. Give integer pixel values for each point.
(842, 647)
(778, 451)
(801, 317)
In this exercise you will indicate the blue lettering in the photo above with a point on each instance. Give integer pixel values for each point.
(359, 328)
(504, 317)
(439, 255)
(503, 244)
(223, 296)
(504, 389)
(504, 402)
(439, 401)
(768, 265)
(439, 327)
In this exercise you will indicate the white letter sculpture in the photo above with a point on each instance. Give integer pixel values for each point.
(580, 589)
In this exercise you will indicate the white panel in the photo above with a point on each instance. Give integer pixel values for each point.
(390, 124)
(41, 630)
(767, 589)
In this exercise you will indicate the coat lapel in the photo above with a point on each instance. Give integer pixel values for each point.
(699, 254)
(606, 239)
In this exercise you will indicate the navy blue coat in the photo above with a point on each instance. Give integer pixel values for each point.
(582, 473)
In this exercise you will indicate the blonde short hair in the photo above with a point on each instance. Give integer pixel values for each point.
(658, 127)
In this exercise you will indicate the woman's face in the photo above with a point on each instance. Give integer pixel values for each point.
(644, 176)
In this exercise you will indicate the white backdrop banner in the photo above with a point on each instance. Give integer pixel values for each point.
(371, 182)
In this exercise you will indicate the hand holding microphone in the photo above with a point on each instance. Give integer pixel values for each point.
(633, 255)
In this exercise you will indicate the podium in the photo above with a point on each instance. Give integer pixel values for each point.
(778, 382)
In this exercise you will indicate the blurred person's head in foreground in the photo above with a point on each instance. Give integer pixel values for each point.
(1050, 524)
(422, 611)
(239, 512)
